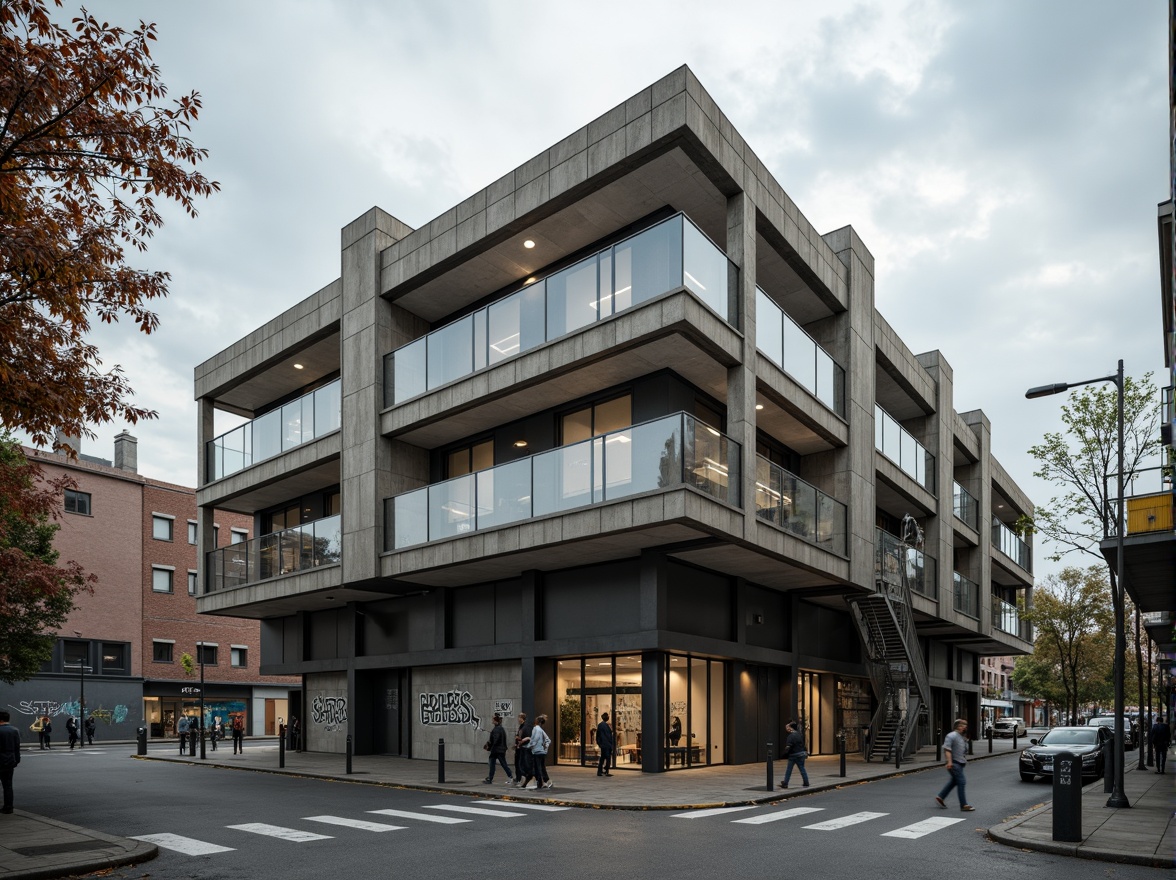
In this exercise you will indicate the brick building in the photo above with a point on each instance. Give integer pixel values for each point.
(125, 645)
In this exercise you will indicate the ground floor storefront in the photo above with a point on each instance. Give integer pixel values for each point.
(261, 708)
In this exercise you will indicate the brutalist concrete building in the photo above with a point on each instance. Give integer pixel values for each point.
(620, 432)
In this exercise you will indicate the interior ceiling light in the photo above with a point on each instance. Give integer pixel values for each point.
(759, 406)
(528, 244)
(298, 366)
(520, 444)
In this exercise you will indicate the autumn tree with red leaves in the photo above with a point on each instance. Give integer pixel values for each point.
(36, 594)
(89, 151)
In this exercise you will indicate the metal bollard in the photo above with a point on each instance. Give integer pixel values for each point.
(141, 736)
(441, 760)
(971, 745)
(1067, 797)
(898, 750)
(349, 754)
(843, 754)
(1014, 739)
(192, 743)
(938, 744)
(281, 746)
(990, 739)
(771, 774)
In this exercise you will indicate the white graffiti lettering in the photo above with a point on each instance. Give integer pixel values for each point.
(451, 707)
(331, 712)
(39, 707)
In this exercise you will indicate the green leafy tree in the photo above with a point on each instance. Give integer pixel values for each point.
(1073, 617)
(1037, 677)
(36, 594)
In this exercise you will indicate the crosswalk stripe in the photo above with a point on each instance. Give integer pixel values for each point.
(544, 808)
(715, 811)
(476, 811)
(353, 823)
(845, 821)
(424, 817)
(291, 834)
(922, 829)
(777, 815)
(186, 845)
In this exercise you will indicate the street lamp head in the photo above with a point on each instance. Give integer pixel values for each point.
(1046, 390)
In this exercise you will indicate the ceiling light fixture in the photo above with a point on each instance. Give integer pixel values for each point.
(520, 444)
(298, 366)
(759, 406)
(528, 244)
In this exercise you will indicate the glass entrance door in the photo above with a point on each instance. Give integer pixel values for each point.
(695, 712)
(587, 687)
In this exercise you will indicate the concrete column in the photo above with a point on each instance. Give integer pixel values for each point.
(938, 439)
(741, 244)
(980, 485)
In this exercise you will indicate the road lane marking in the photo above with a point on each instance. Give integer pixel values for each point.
(922, 829)
(353, 823)
(291, 834)
(777, 815)
(845, 821)
(545, 808)
(186, 845)
(475, 811)
(714, 811)
(424, 817)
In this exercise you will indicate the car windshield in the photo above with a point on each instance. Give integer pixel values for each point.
(1068, 736)
(1106, 721)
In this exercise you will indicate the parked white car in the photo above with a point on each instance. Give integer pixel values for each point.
(1009, 727)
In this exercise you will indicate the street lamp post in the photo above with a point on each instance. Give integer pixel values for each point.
(1118, 798)
(81, 667)
(200, 726)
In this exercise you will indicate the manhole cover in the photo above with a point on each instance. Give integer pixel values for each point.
(55, 848)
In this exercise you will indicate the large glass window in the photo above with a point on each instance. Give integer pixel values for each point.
(77, 502)
(114, 657)
(468, 459)
(161, 580)
(694, 712)
(161, 527)
(587, 687)
(597, 419)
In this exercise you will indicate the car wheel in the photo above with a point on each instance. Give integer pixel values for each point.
(1027, 777)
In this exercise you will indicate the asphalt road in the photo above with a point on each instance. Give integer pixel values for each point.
(227, 824)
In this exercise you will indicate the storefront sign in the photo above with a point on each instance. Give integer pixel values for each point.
(189, 690)
(505, 708)
(451, 707)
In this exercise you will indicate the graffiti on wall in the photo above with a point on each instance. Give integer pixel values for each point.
(450, 707)
(331, 712)
(37, 708)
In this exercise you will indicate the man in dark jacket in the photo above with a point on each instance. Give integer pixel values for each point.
(9, 758)
(1161, 740)
(606, 743)
(497, 749)
(71, 727)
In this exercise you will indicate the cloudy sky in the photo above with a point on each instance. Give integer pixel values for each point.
(1002, 161)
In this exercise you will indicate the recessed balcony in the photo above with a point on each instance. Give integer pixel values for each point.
(799, 508)
(302, 548)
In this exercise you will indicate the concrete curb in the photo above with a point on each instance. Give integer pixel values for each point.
(1002, 834)
(134, 852)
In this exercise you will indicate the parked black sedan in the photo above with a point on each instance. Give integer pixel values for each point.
(1088, 743)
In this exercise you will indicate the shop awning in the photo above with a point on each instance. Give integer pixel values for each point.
(996, 704)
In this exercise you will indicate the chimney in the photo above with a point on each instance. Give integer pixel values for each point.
(66, 444)
(126, 452)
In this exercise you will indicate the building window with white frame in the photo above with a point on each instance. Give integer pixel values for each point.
(238, 536)
(192, 576)
(161, 526)
(239, 656)
(191, 532)
(161, 578)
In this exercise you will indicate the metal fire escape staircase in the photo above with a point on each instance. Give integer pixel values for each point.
(886, 624)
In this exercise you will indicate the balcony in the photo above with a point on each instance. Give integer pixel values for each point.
(309, 417)
(787, 501)
(965, 595)
(893, 559)
(1006, 540)
(897, 444)
(666, 453)
(1006, 617)
(672, 255)
(965, 507)
(790, 348)
(304, 547)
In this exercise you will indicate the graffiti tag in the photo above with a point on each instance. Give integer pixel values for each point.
(451, 707)
(329, 711)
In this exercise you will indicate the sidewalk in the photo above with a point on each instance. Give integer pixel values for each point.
(32, 846)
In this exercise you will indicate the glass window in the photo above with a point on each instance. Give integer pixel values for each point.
(239, 657)
(267, 435)
(503, 328)
(612, 415)
(77, 502)
(114, 657)
(471, 458)
(206, 654)
(161, 528)
(769, 328)
(648, 264)
(704, 269)
(237, 536)
(408, 366)
(450, 352)
(292, 424)
(192, 576)
(161, 652)
(576, 426)
(191, 532)
(161, 580)
(800, 355)
(75, 653)
(572, 298)
(328, 408)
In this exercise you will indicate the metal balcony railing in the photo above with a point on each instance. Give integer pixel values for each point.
(1007, 542)
(894, 558)
(965, 507)
(787, 501)
(1006, 617)
(965, 595)
(790, 347)
(899, 445)
(291, 550)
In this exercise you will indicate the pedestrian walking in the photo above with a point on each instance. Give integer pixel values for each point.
(1161, 741)
(45, 733)
(955, 748)
(218, 731)
(238, 734)
(9, 758)
(91, 726)
(182, 730)
(796, 752)
(606, 742)
(522, 759)
(496, 746)
(538, 742)
(71, 727)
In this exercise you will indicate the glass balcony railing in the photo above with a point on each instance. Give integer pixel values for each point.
(303, 547)
(893, 559)
(788, 346)
(1006, 540)
(785, 500)
(673, 254)
(673, 451)
(965, 595)
(1006, 617)
(965, 507)
(309, 417)
(897, 444)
